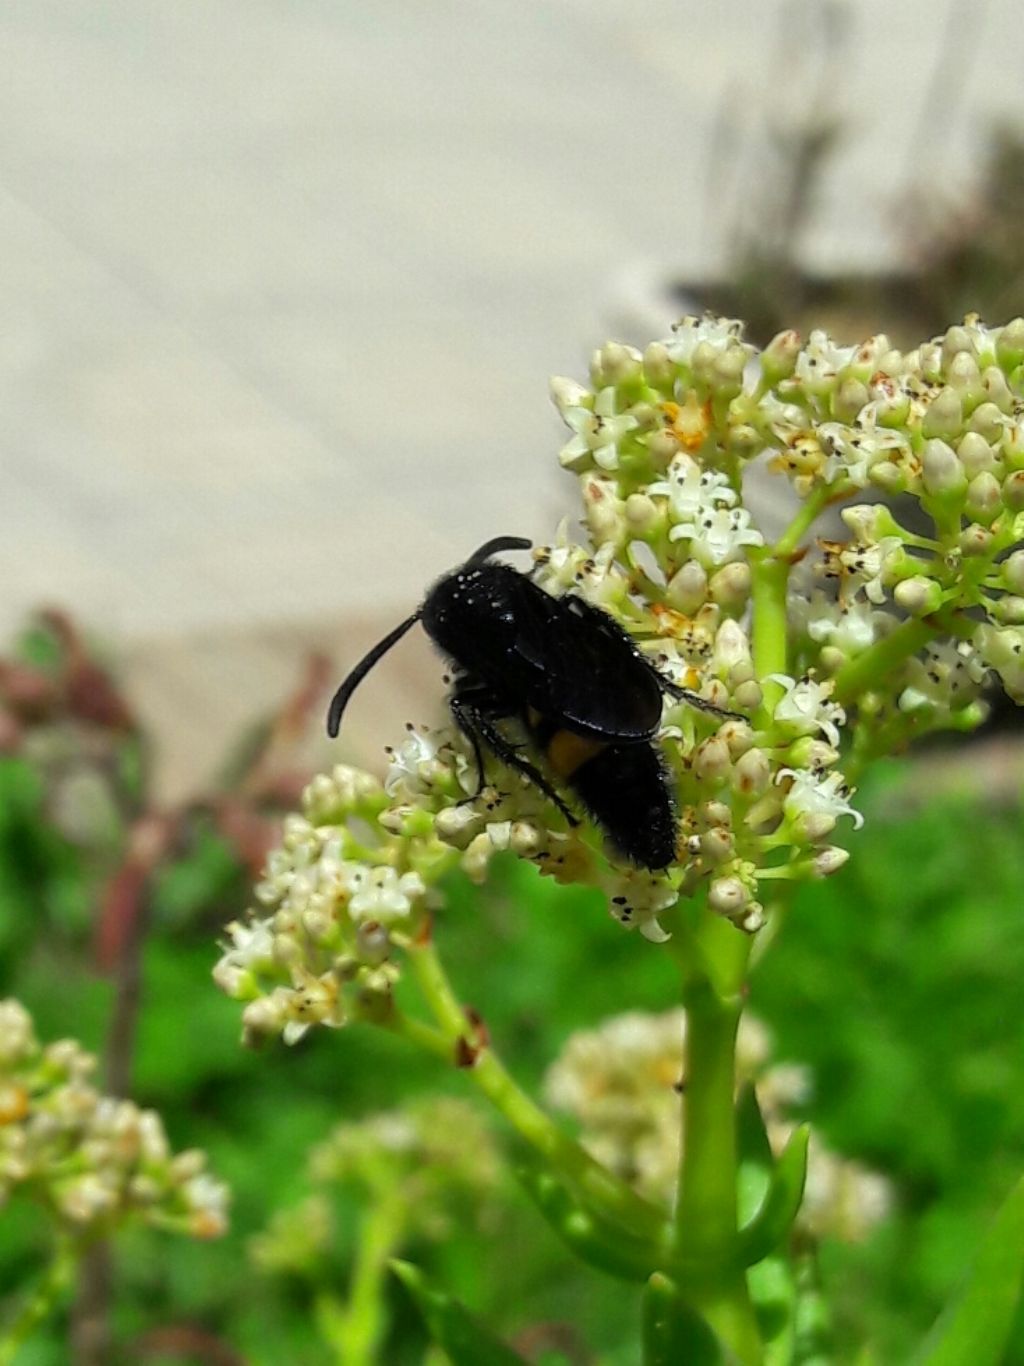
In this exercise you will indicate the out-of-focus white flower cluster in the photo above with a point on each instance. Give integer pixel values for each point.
(884, 636)
(95, 1162)
(624, 1081)
(432, 1163)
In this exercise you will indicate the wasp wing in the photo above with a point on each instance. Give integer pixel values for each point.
(577, 666)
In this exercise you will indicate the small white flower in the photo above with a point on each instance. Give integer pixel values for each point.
(817, 794)
(852, 451)
(718, 534)
(251, 952)
(598, 431)
(821, 360)
(723, 334)
(381, 893)
(849, 625)
(948, 676)
(804, 708)
(423, 756)
(692, 490)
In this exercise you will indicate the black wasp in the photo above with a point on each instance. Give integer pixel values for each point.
(589, 699)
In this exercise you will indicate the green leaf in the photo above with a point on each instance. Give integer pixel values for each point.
(772, 1223)
(674, 1333)
(609, 1247)
(973, 1329)
(754, 1144)
(755, 1154)
(451, 1326)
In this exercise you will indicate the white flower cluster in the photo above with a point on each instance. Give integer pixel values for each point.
(424, 1163)
(95, 1162)
(624, 1082)
(884, 636)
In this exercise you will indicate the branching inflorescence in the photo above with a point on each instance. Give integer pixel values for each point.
(832, 649)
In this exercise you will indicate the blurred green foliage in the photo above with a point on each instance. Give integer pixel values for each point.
(897, 983)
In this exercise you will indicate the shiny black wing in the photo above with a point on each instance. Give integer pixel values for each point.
(574, 664)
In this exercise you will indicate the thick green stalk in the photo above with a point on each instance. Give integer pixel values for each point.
(486, 1070)
(706, 1215)
(770, 570)
(42, 1301)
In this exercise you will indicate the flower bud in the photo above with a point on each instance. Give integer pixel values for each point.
(945, 415)
(567, 393)
(849, 399)
(687, 589)
(829, 861)
(730, 586)
(743, 440)
(891, 400)
(738, 735)
(727, 371)
(1008, 610)
(642, 513)
(1012, 571)
(870, 522)
(984, 498)
(752, 773)
(732, 647)
(965, 377)
(718, 845)
(778, 359)
(811, 826)
(888, 476)
(713, 812)
(372, 942)
(976, 454)
(712, 762)
(752, 918)
(975, 540)
(941, 472)
(997, 392)
(956, 341)
(920, 596)
(605, 512)
(1013, 491)
(728, 895)
(748, 696)
(453, 821)
(1013, 444)
(662, 447)
(616, 364)
(659, 369)
(1010, 346)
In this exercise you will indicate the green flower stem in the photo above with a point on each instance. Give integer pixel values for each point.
(355, 1328)
(43, 1299)
(770, 569)
(869, 669)
(485, 1069)
(810, 510)
(707, 1214)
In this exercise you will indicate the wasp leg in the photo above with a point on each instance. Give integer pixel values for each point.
(695, 700)
(475, 723)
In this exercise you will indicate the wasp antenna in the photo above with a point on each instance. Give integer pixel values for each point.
(340, 699)
(499, 544)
